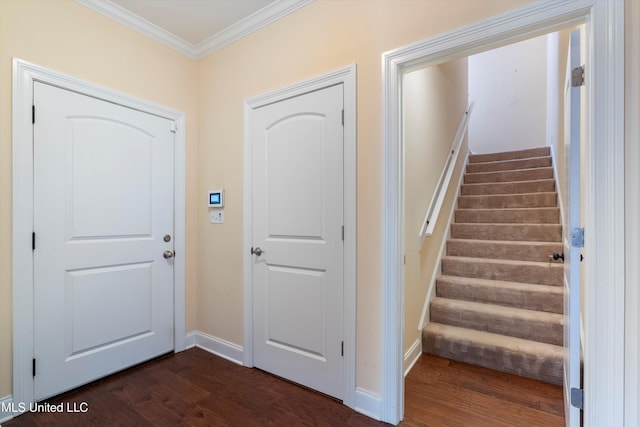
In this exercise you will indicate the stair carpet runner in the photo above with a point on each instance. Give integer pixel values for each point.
(499, 298)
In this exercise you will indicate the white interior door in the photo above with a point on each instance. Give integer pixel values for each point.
(297, 230)
(572, 238)
(103, 204)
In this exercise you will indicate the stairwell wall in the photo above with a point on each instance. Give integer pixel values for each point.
(508, 85)
(434, 100)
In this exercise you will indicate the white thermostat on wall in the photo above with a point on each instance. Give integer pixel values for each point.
(216, 199)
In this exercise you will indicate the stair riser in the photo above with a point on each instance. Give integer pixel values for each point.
(540, 186)
(539, 162)
(509, 176)
(500, 250)
(529, 329)
(506, 201)
(526, 232)
(525, 365)
(528, 300)
(510, 155)
(498, 216)
(551, 274)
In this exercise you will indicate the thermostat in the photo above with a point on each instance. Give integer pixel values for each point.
(216, 199)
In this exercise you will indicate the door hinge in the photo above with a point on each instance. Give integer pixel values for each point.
(33, 114)
(577, 76)
(33, 366)
(342, 349)
(343, 233)
(577, 398)
(577, 237)
(33, 241)
(342, 117)
(173, 127)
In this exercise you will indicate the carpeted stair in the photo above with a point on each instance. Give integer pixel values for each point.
(499, 299)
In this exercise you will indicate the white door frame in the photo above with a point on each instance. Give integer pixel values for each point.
(605, 189)
(24, 76)
(347, 77)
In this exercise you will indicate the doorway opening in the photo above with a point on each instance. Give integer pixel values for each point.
(604, 186)
(512, 99)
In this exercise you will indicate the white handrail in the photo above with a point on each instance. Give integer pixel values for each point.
(433, 210)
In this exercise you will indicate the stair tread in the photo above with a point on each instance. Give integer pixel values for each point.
(486, 196)
(527, 224)
(519, 170)
(476, 260)
(504, 284)
(495, 310)
(513, 344)
(513, 154)
(507, 182)
(520, 159)
(508, 242)
(519, 187)
(507, 209)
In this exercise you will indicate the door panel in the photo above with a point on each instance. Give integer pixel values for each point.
(104, 204)
(297, 222)
(103, 201)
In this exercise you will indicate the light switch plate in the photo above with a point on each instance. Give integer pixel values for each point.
(217, 216)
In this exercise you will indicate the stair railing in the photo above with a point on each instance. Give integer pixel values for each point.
(433, 210)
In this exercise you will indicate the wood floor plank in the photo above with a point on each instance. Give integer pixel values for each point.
(196, 388)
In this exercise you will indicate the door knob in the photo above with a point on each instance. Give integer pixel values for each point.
(168, 254)
(257, 251)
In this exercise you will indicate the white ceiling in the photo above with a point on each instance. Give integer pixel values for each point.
(195, 27)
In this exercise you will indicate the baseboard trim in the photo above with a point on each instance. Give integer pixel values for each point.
(368, 403)
(412, 355)
(218, 346)
(7, 409)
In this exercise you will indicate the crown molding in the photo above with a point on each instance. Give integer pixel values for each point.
(246, 26)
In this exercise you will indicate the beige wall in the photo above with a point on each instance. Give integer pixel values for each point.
(319, 38)
(70, 38)
(327, 34)
(434, 100)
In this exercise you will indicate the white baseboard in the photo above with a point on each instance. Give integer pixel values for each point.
(219, 347)
(368, 403)
(412, 355)
(7, 410)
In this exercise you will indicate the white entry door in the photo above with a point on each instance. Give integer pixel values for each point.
(103, 222)
(572, 239)
(297, 231)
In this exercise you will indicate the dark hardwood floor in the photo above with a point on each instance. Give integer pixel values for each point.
(196, 388)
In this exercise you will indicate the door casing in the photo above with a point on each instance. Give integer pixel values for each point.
(605, 188)
(347, 77)
(24, 76)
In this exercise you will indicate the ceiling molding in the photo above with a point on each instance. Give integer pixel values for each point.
(248, 25)
(242, 28)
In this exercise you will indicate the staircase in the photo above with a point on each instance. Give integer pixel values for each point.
(499, 299)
